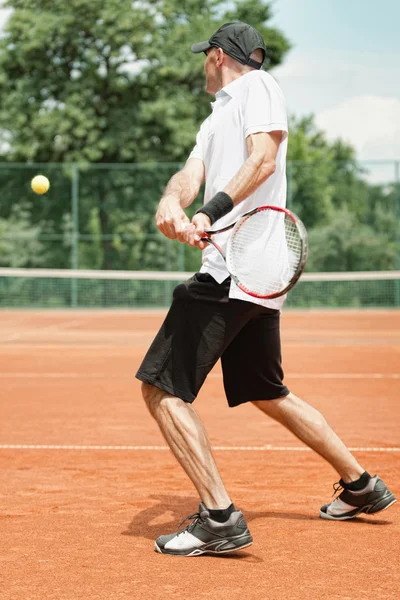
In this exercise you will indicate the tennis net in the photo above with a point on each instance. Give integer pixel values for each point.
(51, 288)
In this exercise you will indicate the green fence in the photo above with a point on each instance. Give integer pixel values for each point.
(102, 216)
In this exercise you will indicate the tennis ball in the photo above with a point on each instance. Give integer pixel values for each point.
(40, 184)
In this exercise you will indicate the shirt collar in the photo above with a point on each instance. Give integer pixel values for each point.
(221, 94)
(232, 88)
(224, 95)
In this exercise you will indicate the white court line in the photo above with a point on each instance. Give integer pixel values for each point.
(18, 343)
(334, 375)
(268, 448)
(103, 375)
(82, 347)
(55, 327)
(82, 375)
(133, 312)
(10, 338)
(77, 334)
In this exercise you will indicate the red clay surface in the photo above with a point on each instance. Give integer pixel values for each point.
(80, 522)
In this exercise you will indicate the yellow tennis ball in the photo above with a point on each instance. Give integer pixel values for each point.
(40, 184)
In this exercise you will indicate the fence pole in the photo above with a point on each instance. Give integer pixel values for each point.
(289, 184)
(181, 257)
(75, 232)
(397, 229)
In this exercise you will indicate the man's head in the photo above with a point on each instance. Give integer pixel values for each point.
(236, 47)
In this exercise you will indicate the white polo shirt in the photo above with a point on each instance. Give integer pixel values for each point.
(253, 103)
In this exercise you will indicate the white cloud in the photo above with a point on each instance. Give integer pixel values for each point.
(4, 14)
(355, 96)
(315, 82)
(370, 123)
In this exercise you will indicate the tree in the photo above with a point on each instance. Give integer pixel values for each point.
(311, 166)
(108, 82)
(345, 244)
(20, 245)
(351, 223)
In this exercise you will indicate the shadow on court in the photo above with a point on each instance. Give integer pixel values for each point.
(168, 511)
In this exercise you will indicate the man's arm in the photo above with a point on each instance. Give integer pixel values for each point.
(262, 150)
(180, 192)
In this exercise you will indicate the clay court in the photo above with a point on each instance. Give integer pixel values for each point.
(88, 483)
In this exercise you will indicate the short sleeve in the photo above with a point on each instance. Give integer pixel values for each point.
(263, 107)
(199, 150)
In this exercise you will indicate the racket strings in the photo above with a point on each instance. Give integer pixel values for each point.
(265, 252)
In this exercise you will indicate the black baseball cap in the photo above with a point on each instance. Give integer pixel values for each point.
(238, 40)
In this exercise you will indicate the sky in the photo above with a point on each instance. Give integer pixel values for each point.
(344, 67)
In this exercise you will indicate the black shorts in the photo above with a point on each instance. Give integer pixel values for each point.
(203, 325)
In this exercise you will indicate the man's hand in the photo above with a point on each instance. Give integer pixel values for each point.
(171, 219)
(180, 192)
(195, 230)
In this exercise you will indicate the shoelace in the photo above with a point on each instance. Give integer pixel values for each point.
(336, 488)
(196, 517)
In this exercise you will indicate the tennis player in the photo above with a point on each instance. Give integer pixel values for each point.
(240, 152)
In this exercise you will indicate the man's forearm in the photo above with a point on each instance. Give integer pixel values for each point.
(252, 173)
(249, 177)
(182, 188)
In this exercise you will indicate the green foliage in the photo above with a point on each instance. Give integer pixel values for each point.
(347, 245)
(20, 245)
(310, 185)
(107, 82)
(49, 215)
(96, 83)
(110, 81)
(351, 223)
(65, 93)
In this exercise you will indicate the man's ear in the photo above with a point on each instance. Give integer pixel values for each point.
(220, 57)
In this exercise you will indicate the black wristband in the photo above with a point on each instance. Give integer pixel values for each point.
(220, 205)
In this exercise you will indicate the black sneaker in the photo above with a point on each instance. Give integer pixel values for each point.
(204, 535)
(349, 504)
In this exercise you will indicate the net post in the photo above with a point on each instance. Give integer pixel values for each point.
(75, 232)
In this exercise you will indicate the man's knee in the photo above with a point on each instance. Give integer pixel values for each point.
(152, 396)
(291, 407)
(273, 405)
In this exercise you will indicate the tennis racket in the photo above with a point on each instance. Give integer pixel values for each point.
(266, 251)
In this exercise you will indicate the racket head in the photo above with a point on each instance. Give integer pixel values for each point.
(267, 252)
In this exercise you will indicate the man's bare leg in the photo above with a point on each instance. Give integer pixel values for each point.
(188, 440)
(307, 423)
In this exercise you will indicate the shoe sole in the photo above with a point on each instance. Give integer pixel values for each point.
(369, 509)
(199, 551)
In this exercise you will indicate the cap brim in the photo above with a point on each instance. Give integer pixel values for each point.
(200, 47)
